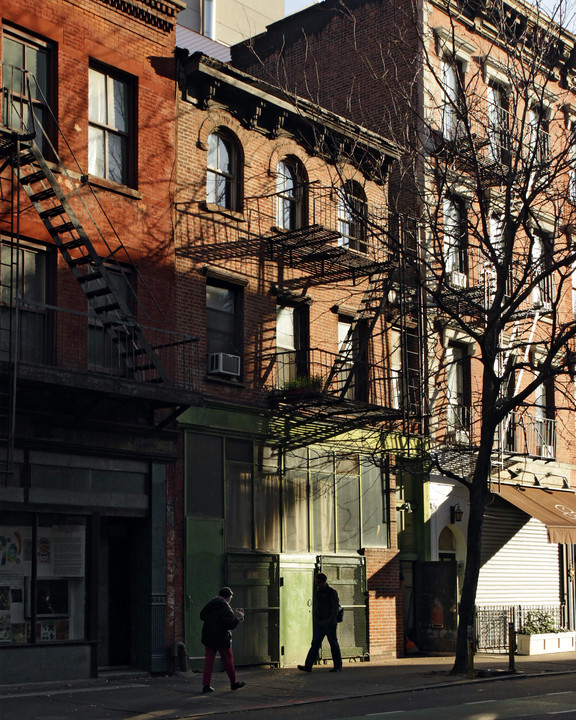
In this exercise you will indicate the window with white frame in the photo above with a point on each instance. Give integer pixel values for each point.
(458, 396)
(109, 132)
(289, 196)
(539, 136)
(455, 250)
(291, 343)
(222, 172)
(544, 424)
(352, 217)
(23, 297)
(452, 78)
(498, 123)
(541, 254)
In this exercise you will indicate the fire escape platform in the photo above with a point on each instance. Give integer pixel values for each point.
(315, 249)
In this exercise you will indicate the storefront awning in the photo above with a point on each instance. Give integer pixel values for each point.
(555, 508)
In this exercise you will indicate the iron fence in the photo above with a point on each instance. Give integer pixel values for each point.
(492, 621)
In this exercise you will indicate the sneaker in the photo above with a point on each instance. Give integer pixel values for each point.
(337, 669)
(207, 689)
(237, 685)
(304, 668)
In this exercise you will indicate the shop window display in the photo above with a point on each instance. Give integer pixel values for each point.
(42, 581)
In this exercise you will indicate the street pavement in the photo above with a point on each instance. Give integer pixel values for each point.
(121, 695)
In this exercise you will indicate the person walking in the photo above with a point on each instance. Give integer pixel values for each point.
(326, 607)
(219, 620)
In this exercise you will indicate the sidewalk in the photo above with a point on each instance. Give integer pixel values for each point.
(119, 697)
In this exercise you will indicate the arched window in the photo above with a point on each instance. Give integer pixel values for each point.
(222, 173)
(289, 194)
(352, 217)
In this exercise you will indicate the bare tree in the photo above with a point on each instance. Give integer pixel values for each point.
(484, 197)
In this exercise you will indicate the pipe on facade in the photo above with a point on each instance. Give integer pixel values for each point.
(179, 657)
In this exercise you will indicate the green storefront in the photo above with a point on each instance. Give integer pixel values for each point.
(263, 520)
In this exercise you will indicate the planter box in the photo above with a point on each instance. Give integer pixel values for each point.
(545, 643)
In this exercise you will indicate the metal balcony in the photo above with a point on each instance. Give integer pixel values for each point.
(63, 346)
(528, 434)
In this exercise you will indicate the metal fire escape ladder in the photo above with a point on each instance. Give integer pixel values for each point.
(352, 358)
(87, 266)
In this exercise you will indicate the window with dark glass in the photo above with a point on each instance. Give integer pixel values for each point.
(352, 217)
(26, 77)
(23, 313)
(110, 131)
(222, 172)
(223, 323)
(352, 360)
(498, 123)
(289, 196)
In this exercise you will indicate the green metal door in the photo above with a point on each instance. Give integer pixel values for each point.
(204, 577)
(296, 588)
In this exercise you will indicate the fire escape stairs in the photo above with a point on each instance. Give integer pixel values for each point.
(87, 266)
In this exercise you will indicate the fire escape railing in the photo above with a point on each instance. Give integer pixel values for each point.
(47, 336)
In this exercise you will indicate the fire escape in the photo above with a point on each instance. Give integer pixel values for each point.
(151, 363)
(355, 392)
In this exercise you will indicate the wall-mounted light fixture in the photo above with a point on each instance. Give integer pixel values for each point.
(456, 513)
(405, 507)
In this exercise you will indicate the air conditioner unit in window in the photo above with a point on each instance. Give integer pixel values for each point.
(223, 364)
(458, 280)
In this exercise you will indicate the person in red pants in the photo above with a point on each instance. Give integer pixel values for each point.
(219, 620)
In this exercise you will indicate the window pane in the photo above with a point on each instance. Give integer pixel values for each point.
(212, 159)
(205, 471)
(322, 498)
(119, 118)
(13, 54)
(97, 96)
(220, 298)
(224, 156)
(348, 497)
(36, 64)
(296, 510)
(116, 158)
(96, 151)
(267, 510)
(222, 191)
(374, 523)
(285, 339)
(239, 506)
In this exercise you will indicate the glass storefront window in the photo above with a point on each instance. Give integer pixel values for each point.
(42, 579)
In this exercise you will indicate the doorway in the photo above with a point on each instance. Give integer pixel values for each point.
(115, 594)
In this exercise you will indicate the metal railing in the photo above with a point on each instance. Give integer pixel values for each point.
(52, 337)
(528, 434)
(491, 623)
(300, 372)
(325, 217)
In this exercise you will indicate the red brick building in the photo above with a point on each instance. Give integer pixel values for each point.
(280, 208)
(90, 365)
(481, 98)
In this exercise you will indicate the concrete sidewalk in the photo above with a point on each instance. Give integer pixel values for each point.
(121, 696)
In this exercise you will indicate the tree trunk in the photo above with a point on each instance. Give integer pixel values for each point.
(478, 494)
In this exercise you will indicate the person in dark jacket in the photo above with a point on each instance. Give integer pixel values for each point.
(219, 620)
(326, 609)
